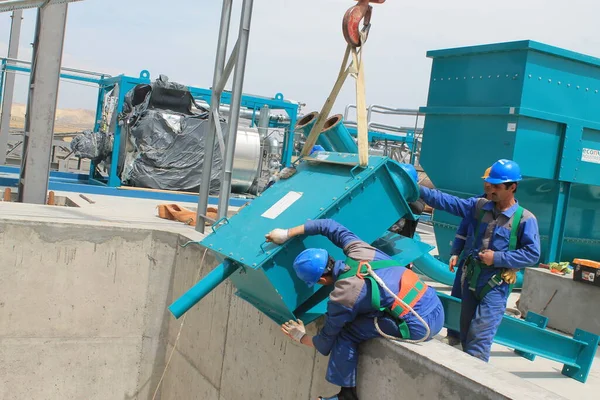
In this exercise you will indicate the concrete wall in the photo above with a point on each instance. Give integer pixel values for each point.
(568, 304)
(78, 315)
(83, 316)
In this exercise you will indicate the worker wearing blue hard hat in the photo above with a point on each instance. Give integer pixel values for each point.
(355, 308)
(505, 239)
(462, 240)
(406, 226)
(410, 170)
(317, 147)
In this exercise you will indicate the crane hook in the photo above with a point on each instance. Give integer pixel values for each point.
(350, 25)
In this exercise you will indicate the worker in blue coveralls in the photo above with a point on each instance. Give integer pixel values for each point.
(354, 305)
(506, 239)
(462, 240)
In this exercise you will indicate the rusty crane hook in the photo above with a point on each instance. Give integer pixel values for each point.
(355, 14)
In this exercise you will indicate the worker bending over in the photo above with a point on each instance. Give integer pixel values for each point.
(357, 300)
(505, 239)
(462, 240)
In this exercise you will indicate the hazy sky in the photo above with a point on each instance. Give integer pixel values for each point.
(296, 46)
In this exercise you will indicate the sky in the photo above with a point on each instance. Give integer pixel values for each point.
(296, 47)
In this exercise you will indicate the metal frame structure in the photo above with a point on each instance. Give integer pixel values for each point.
(252, 108)
(222, 71)
(41, 105)
(13, 5)
(53, 28)
(9, 85)
(408, 136)
(251, 105)
(529, 338)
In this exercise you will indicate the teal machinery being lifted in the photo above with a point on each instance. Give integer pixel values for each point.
(369, 200)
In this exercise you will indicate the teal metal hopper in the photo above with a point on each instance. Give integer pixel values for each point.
(526, 101)
(327, 185)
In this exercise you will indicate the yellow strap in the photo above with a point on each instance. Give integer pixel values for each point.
(361, 109)
(356, 69)
(311, 140)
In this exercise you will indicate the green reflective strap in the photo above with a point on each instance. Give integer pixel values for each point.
(512, 244)
(353, 264)
(497, 279)
(375, 265)
(375, 295)
(473, 267)
(475, 272)
(494, 281)
(404, 331)
(395, 312)
(413, 292)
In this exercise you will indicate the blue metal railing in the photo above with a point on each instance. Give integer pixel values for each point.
(531, 339)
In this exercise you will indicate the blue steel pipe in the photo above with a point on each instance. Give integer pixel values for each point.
(305, 125)
(203, 287)
(338, 135)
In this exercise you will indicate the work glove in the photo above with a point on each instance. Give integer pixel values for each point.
(287, 172)
(283, 174)
(295, 330)
(278, 236)
(452, 263)
(510, 276)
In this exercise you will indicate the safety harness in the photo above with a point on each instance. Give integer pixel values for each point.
(411, 289)
(474, 267)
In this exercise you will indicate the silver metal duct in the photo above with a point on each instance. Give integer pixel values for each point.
(224, 109)
(246, 160)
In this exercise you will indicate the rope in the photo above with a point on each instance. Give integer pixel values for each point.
(178, 333)
(393, 338)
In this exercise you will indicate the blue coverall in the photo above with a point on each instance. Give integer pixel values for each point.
(480, 319)
(350, 315)
(462, 240)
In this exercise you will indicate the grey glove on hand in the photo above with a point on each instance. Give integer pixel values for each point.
(294, 330)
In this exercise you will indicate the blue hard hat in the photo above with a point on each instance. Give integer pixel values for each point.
(410, 169)
(504, 171)
(310, 265)
(317, 147)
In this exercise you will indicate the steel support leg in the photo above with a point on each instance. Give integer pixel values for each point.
(557, 226)
(41, 104)
(214, 105)
(236, 100)
(9, 86)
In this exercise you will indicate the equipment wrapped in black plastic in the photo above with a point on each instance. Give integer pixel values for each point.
(97, 146)
(168, 133)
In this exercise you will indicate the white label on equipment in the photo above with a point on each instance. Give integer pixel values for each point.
(591, 156)
(511, 110)
(322, 156)
(511, 127)
(283, 204)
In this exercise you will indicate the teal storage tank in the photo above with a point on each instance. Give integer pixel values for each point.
(536, 104)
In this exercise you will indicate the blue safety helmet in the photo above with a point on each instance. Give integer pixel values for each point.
(504, 171)
(410, 169)
(317, 147)
(310, 265)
